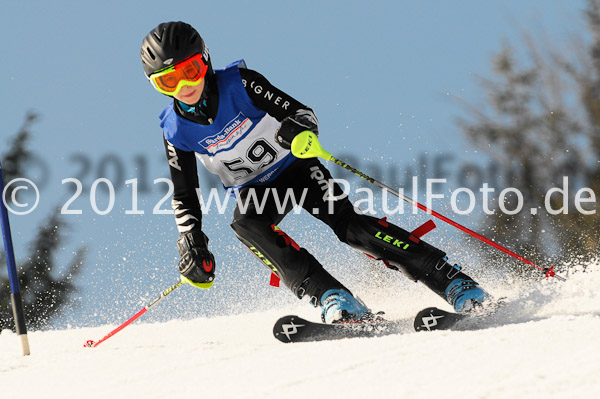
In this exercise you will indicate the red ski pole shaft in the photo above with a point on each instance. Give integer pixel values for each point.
(136, 316)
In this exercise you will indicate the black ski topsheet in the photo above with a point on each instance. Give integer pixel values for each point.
(431, 319)
(296, 329)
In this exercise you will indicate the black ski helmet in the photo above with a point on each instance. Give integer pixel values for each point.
(171, 42)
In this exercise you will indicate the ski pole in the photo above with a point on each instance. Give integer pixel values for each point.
(15, 290)
(92, 344)
(306, 145)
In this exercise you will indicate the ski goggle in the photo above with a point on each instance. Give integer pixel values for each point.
(188, 72)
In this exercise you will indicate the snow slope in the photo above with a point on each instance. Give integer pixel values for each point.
(544, 345)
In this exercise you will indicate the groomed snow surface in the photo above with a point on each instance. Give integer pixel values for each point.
(544, 344)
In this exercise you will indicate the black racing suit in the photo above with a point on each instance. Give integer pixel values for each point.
(308, 179)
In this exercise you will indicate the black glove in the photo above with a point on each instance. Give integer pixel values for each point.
(197, 263)
(303, 119)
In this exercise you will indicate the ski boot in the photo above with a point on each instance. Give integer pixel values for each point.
(465, 295)
(460, 291)
(340, 306)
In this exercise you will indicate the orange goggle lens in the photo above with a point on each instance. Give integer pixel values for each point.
(190, 71)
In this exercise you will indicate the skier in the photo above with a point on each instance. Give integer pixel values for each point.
(241, 127)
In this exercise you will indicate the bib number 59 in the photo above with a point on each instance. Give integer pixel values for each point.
(259, 155)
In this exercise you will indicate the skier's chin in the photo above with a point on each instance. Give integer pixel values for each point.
(190, 95)
(189, 99)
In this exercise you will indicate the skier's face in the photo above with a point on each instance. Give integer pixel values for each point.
(190, 95)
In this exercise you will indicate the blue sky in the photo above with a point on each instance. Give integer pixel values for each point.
(382, 78)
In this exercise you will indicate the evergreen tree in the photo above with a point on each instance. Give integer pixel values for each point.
(540, 123)
(43, 292)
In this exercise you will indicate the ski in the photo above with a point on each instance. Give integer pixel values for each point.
(431, 319)
(296, 329)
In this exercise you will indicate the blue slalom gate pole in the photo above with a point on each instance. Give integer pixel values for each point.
(15, 291)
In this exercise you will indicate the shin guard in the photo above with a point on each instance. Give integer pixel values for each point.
(401, 250)
(295, 266)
